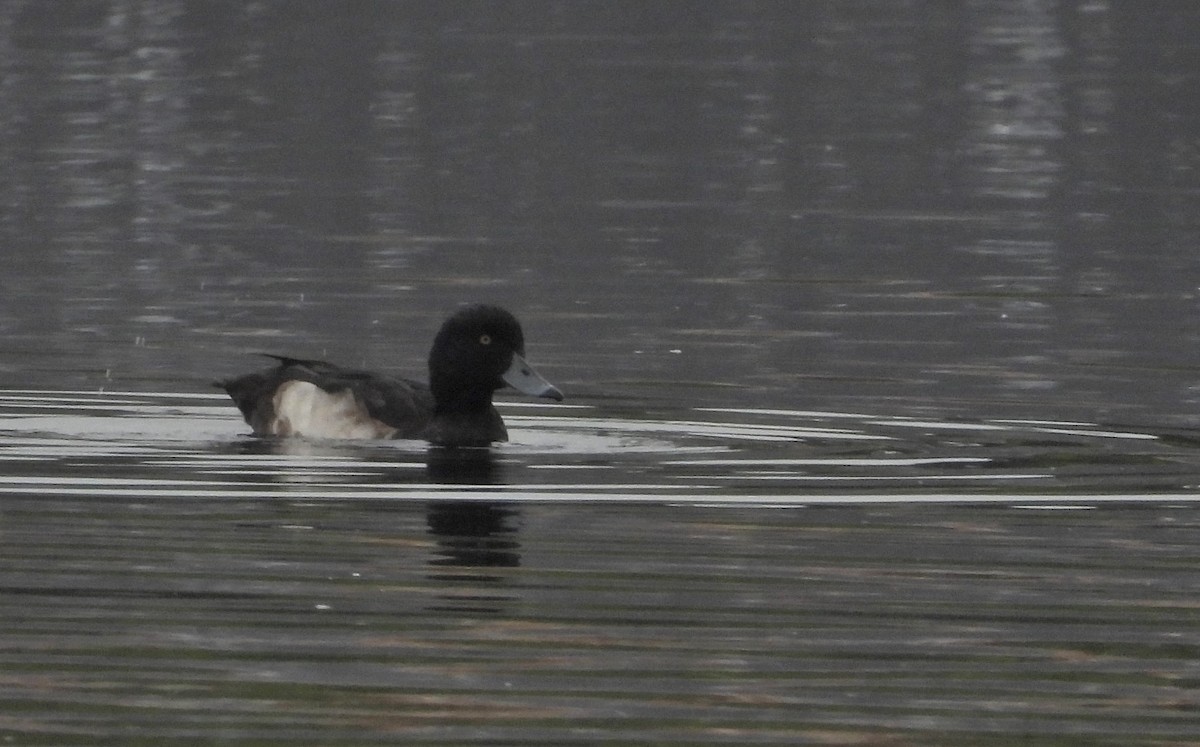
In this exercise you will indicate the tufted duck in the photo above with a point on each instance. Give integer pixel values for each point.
(478, 350)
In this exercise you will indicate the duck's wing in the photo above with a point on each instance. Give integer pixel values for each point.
(400, 403)
(317, 398)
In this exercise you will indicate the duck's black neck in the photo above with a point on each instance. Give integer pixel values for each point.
(473, 426)
(452, 397)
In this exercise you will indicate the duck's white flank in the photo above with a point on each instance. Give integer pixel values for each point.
(304, 409)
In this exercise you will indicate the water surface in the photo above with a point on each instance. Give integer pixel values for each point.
(735, 577)
(877, 323)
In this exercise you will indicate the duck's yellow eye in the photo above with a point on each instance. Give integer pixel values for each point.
(485, 339)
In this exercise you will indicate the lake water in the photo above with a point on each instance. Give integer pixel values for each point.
(876, 323)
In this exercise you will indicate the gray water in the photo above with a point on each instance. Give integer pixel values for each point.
(876, 323)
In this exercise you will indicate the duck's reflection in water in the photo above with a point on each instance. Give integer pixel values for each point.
(473, 537)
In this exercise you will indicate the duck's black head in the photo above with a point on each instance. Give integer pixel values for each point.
(478, 350)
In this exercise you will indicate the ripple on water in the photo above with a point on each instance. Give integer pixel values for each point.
(168, 576)
(189, 445)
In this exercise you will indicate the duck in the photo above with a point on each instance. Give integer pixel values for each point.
(478, 350)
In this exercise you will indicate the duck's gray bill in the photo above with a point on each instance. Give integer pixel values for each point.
(521, 376)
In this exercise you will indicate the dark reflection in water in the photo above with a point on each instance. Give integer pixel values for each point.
(474, 535)
(464, 466)
(471, 534)
(474, 540)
